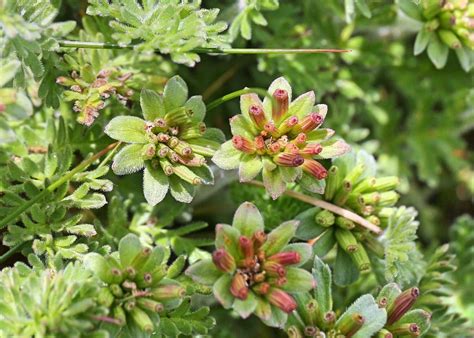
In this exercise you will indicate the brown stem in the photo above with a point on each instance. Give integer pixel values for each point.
(328, 206)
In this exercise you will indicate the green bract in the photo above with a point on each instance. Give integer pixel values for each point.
(171, 143)
(446, 25)
(281, 140)
(253, 272)
(141, 294)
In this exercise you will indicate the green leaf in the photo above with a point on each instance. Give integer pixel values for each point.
(248, 220)
(312, 184)
(279, 237)
(181, 191)
(245, 307)
(197, 106)
(155, 185)
(8, 69)
(298, 280)
(374, 316)
(322, 292)
(227, 157)
(128, 129)
(175, 93)
(221, 290)
(273, 182)
(465, 57)
(152, 105)
(128, 160)
(438, 52)
(308, 229)
(345, 271)
(129, 247)
(250, 167)
(228, 237)
(324, 243)
(363, 8)
(412, 9)
(204, 272)
(302, 105)
(421, 41)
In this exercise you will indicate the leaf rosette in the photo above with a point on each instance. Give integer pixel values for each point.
(281, 139)
(252, 272)
(171, 143)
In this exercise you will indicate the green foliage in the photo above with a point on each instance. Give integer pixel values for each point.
(249, 11)
(47, 303)
(187, 26)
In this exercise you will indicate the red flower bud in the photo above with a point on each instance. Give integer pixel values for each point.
(402, 304)
(312, 149)
(292, 148)
(242, 144)
(223, 260)
(288, 160)
(315, 169)
(238, 286)
(246, 247)
(274, 147)
(287, 124)
(310, 122)
(259, 143)
(258, 239)
(274, 269)
(257, 115)
(282, 300)
(270, 128)
(300, 139)
(280, 107)
(286, 258)
(261, 288)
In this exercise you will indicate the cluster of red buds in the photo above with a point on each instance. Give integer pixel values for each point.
(90, 92)
(256, 272)
(280, 138)
(402, 321)
(137, 284)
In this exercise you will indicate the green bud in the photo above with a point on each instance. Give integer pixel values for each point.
(386, 183)
(119, 314)
(105, 297)
(325, 218)
(186, 174)
(130, 305)
(168, 291)
(294, 332)
(116, 290)
(365, 185)
(344, 223)
(177, 267)
(150, 304)
(149, 151)
(354, 174)
(158, 274)
(141, 258)
(346, 240)
(431, 8)
(202, 150)
(343, 193)
(360, 258)
(333, 181)
(384, 334)
(406, 329)
(349, 325)
(371, 198)
(178, 116)
(388, 198)
(449, 38)
(329, 319)
(432, 25)
(142, 320)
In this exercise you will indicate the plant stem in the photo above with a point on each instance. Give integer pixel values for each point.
(235, 94)
(109, 156)
(329, 206)
(105, 45)
(11, 251)
(83, 165)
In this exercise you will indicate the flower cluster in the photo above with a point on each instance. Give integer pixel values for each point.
(171, 143)
(280, 138)
(136, 288)
(90, 91)
(353, 185)
(401, 321)
(447, 24)
(254, 272)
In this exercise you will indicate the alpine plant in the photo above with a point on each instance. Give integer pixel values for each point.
(255, 272)
(281, 139)
(171, 143)
(135, 285)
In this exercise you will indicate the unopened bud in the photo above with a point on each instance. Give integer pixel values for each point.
(259, 237)
(315, 169)
(223, 260)
(261, 288)
(384, 334)
(286, 258)
(288, 124)
(142, 320)
(257, 115)
(242, 144)
(274, 269)
(238, 286)
(312, 149)
(150, 304)
(407, 329)
(325, 218)
(169, 291)
(288, 160)
(149, 151)
(402, 304)
(346, 240)
(361, 259)
(310, 122)
(280, 106)
(282, 300)
(350, 324)
(344, 223)
(246, 247)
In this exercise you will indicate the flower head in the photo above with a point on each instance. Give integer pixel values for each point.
(253, 272)
(280, 139)
(171, 143)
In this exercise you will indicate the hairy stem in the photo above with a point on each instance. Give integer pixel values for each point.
(329, 206)
(105, 45)
(53, 186)
(214, 104)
